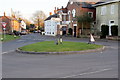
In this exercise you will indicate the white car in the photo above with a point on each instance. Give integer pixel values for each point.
(43, 33)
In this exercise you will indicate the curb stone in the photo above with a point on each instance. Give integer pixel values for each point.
(66, 52)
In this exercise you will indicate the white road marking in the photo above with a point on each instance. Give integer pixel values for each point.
(8, 51)
(87, 73)
(20, 40)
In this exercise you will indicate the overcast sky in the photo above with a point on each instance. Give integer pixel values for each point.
(28, 7)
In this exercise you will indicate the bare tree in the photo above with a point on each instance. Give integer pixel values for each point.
(38, 18)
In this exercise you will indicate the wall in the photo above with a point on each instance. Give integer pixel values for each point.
(51, 27)
(104, 19)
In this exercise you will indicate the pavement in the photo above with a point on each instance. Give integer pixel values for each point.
(102, 64)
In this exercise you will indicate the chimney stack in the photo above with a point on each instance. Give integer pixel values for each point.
(55, 11)
(50, 13)
(4, 14)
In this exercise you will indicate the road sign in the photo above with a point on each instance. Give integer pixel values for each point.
(4, 24)
(4, 29)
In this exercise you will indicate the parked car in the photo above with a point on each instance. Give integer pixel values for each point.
(35, 31)
(43, 33)
(23, 32)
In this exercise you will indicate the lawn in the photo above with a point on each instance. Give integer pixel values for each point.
(50, 46)
(8, 37)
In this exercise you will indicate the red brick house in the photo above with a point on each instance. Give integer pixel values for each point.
(12, 23)
(77, 9)
(8, 21)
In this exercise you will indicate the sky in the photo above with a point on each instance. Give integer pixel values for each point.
(28, 7)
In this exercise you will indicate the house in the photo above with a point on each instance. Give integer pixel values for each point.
(12, 23)
(76, 9)
(51, 25)
(107, 13)
(8, 21)
(22, 25)
(62, 14)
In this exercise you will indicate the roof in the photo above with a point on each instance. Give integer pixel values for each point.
(85, 4)
(84, 0)
(107, 2)
(51, 16)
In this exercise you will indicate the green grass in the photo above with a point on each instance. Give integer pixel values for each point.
(8, 38)
(50, 46)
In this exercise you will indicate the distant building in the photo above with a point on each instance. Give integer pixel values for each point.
(22, 25)
(12, 23)
(51, 25)
(62, 14)
(108, 13)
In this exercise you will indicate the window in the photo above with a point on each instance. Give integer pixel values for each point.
(112, 9)
(103, 10)
(90, 14)
(111, 21)
(64, 17)
(73, 12)
(69, 12)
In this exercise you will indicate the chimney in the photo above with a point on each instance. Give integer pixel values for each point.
(55, 11)
(4, 14)
(50, 13)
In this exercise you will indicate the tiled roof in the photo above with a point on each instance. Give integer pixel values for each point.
(51, 16)
(84, 5)
(87, 5)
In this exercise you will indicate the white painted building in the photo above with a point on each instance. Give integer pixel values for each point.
(23, 25)
(51, 24)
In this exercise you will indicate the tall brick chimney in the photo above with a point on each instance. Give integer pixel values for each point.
(50, 13)
(55, 11)
(4, 14)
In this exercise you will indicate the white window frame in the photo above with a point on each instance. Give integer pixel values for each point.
(74, 12)
(112, 9)
(91, 15)
(103, 10)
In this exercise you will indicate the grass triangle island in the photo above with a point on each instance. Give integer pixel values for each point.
(50, 46)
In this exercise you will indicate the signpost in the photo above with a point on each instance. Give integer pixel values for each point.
(4, 27)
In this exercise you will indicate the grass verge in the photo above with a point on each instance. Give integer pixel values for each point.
(8, 38)
(50, 46)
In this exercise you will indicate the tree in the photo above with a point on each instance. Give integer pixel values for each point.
(38, 18)
(83, 20)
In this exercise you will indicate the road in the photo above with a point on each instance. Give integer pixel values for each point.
(102, 64)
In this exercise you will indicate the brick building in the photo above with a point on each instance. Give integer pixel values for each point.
(77, 9)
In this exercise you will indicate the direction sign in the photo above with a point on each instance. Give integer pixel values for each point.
(4, 24)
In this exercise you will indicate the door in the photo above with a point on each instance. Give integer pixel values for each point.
(74, 31)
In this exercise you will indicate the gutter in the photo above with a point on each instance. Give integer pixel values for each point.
(106, 3)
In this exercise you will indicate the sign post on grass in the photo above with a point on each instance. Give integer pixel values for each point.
(4, 27)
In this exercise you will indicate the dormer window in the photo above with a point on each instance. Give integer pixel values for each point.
(73, 12)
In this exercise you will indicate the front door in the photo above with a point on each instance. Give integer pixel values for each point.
(111, 23)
